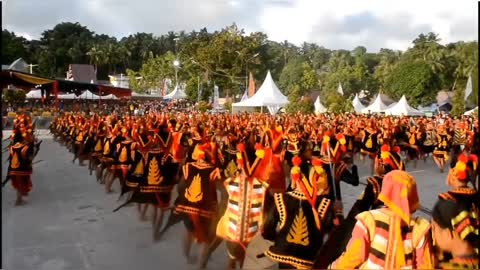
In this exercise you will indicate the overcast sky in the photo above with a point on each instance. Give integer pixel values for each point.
(335, 24)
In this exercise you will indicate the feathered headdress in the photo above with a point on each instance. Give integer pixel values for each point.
(464, 166)
(390, 158)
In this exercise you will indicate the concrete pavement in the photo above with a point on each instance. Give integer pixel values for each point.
(68, 222)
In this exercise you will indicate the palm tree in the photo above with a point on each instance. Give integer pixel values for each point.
(467, 57)
(96, 55)
(123, 55)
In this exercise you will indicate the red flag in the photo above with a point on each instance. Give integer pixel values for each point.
(251, 86)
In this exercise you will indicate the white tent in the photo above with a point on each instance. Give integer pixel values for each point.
(391, 105)
(402, 108)
(177, 93)
(67, 96)
(111, 96)
(319, 108)
(357, 105)
(245, 96)
(377, 106)
(471, 111)
(34, 94)
(267, 95)
(88, 95)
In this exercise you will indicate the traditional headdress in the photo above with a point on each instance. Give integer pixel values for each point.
(399, 194)
(333, 147)
(464, 168)
(390, 158)
(199, 152)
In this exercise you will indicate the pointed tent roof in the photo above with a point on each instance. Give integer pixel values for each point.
(177, 93)
(357, 105)
(245, 96)
(67, 96)
(402, 108)
(267, 95)
(88, 95)
(34, 94)
(377, 106)
(111, 96)
(471, 111)
(319, 108)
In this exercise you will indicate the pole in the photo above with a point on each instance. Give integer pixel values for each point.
(55, 92)
(198, 90)
(176, 76)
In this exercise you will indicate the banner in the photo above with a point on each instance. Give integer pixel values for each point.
(468, 88)
(251, 86)
(215, 97)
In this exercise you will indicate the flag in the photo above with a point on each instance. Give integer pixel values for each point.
(468, 88)
(340, 89)
(215, 96)
(251, 86)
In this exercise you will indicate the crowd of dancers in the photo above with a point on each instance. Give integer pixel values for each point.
(238, 176)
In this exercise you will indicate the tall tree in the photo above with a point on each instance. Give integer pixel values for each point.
(415, 80)
(13, 47)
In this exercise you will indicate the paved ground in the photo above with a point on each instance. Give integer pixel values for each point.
(68, 222)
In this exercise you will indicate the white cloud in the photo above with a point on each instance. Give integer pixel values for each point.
(334, 24)
(344, 24)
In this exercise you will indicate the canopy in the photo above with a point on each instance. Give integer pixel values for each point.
(34, 94)
(319, 108)
(267, 95)
(402, 108)
(431, 108)
(177, 93)
(471, 111)
(111, 96)
(67, 96)
(245, 96)
(357, 105)
(88, 95)
(377, 106)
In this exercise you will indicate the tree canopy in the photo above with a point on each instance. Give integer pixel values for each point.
(226, 56)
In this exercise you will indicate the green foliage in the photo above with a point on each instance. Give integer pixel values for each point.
(336, 103)
(192, 89)
(12, 47)
(298, 103)
(298, 73)
(14, 97)
(415, 80)
(458, 103)
(228, 106)
(228, 55)
(204, 106)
